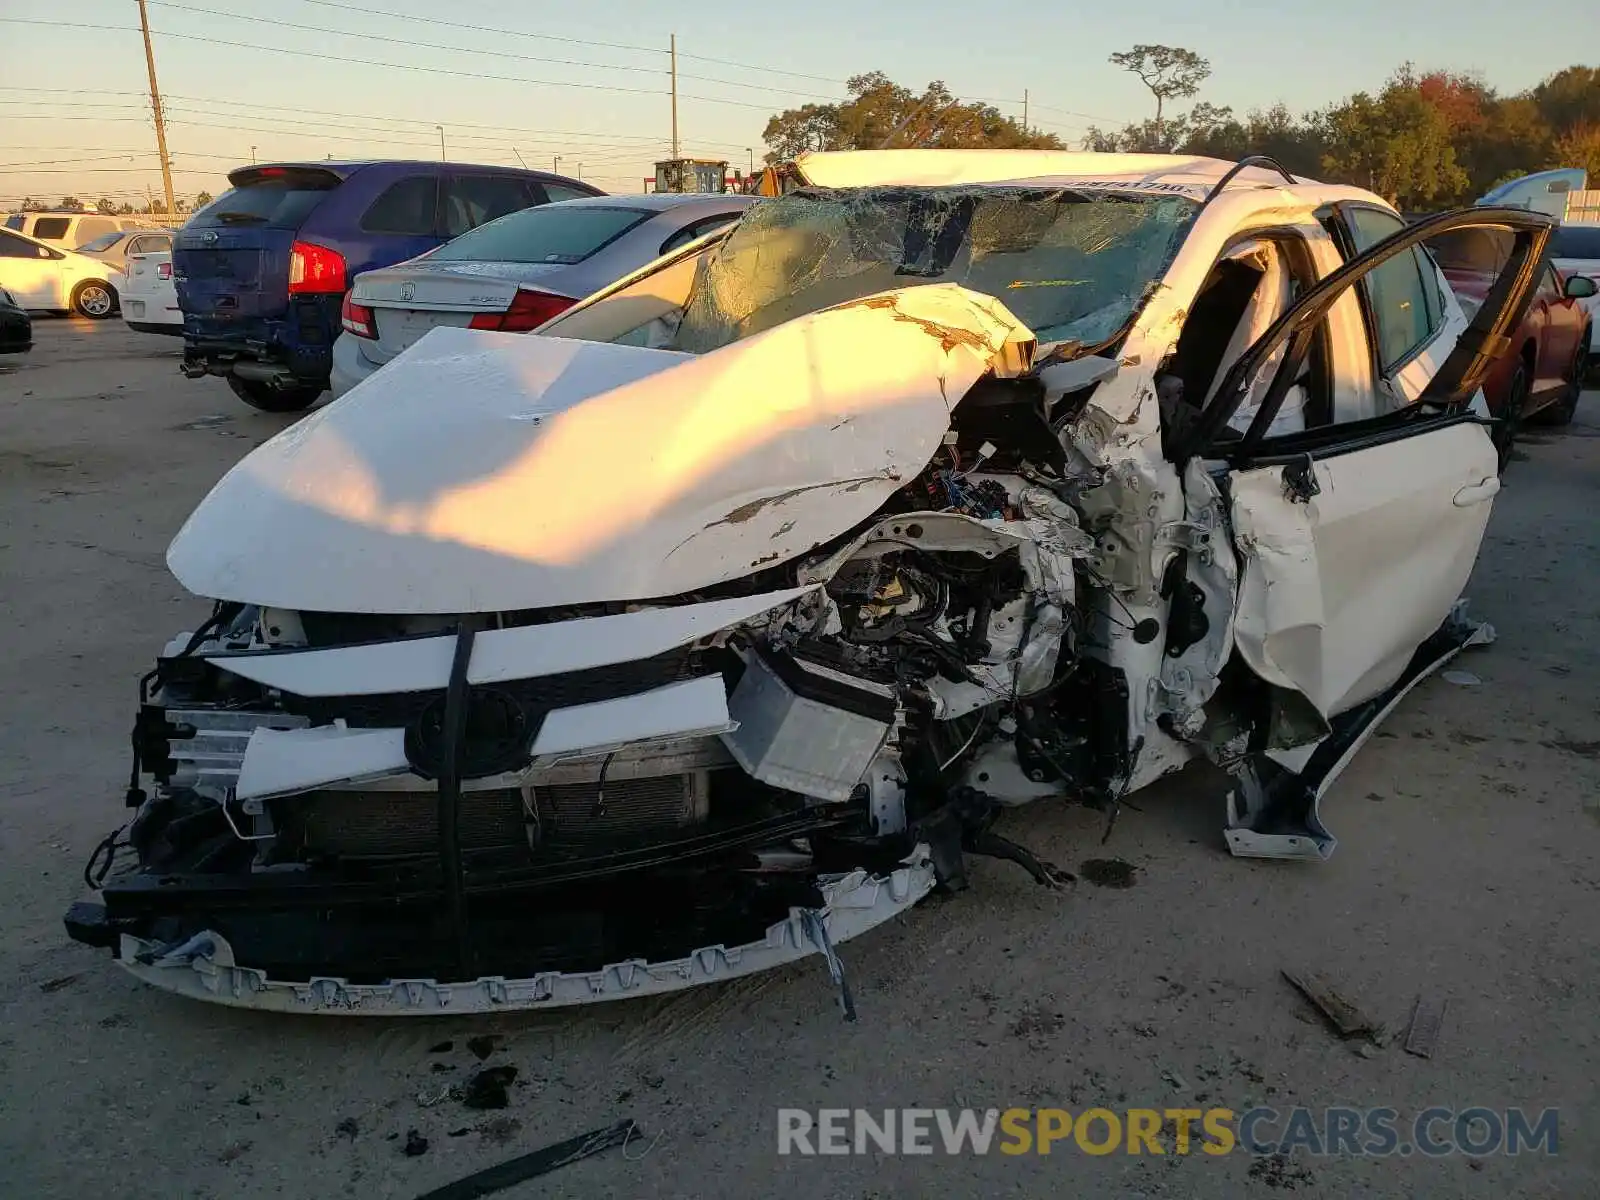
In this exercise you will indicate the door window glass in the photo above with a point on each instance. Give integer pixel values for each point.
(406, 206)
(1401, 294)
(473, 200)
(15, 247)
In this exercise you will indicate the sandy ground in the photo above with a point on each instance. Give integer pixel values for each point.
(1467, 869)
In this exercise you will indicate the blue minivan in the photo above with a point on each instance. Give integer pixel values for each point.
(262, 270)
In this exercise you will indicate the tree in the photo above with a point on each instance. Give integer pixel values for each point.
(71, 202)
(1570, 97)
(1170, 72)
(1515, 140)
(1397, 145)
(105, 205)
(203, 199)
(1579, 147)
(124, 208)
(881, 114)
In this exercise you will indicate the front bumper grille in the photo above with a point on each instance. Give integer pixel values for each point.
(386, 824)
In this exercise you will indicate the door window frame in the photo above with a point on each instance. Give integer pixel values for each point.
(1445, 399)
(1341, 228)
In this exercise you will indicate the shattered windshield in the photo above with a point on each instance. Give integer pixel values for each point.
(1074, 266)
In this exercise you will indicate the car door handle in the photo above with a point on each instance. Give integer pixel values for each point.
(1477, 493)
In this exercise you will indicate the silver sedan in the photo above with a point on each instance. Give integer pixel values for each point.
(515, 273)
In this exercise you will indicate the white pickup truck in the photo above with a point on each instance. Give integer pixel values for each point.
(149, 297)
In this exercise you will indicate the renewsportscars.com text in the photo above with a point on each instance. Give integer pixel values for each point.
(1378, 1132)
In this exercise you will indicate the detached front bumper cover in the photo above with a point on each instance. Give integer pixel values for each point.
(203, 966)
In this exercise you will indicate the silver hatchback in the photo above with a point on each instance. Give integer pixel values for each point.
(516, 273)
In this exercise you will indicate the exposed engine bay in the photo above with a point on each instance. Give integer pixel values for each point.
(862, 734)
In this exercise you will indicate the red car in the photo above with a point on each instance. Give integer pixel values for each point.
(1541, 373)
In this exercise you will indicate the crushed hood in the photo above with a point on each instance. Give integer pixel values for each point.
(484, 472)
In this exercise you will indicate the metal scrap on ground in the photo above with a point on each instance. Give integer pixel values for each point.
(1346, 1018)
(1427, 1018)
(539, 1162)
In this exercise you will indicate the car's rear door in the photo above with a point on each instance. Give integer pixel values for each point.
(1356, 537)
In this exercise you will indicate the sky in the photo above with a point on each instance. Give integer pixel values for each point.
(584, 87)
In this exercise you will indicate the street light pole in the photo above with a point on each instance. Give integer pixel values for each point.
(750, 150)
(440, 128)
(555, 163)
(252, 156)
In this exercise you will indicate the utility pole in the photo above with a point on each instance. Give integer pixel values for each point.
(580, 172)
(1024, 110)
(155, 108)
(252, 156)
(440, 128)
(674, 91)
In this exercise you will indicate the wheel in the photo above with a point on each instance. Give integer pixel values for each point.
(1563, 410)
(275, 400)
(1505, 434)
(95, 299)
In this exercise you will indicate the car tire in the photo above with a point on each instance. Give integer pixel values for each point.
(1564, 409)
(95, 299)
(267, 398)
(1505, 433)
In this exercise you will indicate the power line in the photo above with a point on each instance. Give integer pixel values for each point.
(50, 162)
(549, 135)
(368, 62)
(546, 37)
(378, 37)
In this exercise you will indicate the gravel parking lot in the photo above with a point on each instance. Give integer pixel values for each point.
(1467, 869)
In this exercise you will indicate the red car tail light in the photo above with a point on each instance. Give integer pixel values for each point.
(358, 319)
(529, 310)
(164, 270)
(314, 268)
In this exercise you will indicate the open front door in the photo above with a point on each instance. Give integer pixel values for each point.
(1356, 538)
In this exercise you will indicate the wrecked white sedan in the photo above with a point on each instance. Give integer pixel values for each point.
(713, 625)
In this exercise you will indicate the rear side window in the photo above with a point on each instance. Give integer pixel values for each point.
(51, 229)
(689, 232)
(563, 234)
(274, 203)
(1402, 294)
(408, 206)
(473, 200)
(104, 242)
(150, 243)
(560, 191)
(1576, 241)
(15, 221)
(95, 227)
